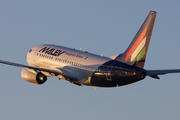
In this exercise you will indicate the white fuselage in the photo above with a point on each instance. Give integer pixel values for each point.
(75, 63)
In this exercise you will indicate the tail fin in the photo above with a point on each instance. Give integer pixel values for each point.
(136, 53)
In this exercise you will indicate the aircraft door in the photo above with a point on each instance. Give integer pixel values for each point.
(35, 56)
(108, 74)
(36, 53)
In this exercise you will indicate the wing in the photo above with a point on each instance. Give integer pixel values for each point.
(155, 73)
(56, 71)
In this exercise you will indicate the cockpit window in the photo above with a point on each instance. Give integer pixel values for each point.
(30, 50)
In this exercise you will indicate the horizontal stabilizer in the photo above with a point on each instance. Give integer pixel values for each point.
(155, 73)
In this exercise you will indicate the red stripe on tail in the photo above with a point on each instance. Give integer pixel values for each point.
(138, 41)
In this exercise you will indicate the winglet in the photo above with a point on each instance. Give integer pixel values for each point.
(136, 53)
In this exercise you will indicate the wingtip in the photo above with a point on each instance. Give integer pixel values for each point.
(155, 76)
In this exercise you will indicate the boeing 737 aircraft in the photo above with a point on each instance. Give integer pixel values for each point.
(83, 68)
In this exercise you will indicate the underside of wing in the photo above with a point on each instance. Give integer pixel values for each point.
(155, 73)
(55, 71)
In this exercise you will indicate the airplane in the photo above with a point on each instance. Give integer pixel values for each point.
(84, 68)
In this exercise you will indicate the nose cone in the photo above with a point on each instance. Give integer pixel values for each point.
(27, 56)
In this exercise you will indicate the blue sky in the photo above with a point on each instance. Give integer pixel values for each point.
(98, 26)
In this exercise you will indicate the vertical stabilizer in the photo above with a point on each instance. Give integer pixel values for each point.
(136, 53)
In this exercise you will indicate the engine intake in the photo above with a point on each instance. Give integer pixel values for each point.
(38, 78)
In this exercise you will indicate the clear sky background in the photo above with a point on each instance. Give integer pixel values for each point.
(98, 26)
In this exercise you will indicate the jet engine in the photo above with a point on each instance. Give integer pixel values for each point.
(38, 78)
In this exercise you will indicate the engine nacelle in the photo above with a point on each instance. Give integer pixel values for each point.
(38, 78)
